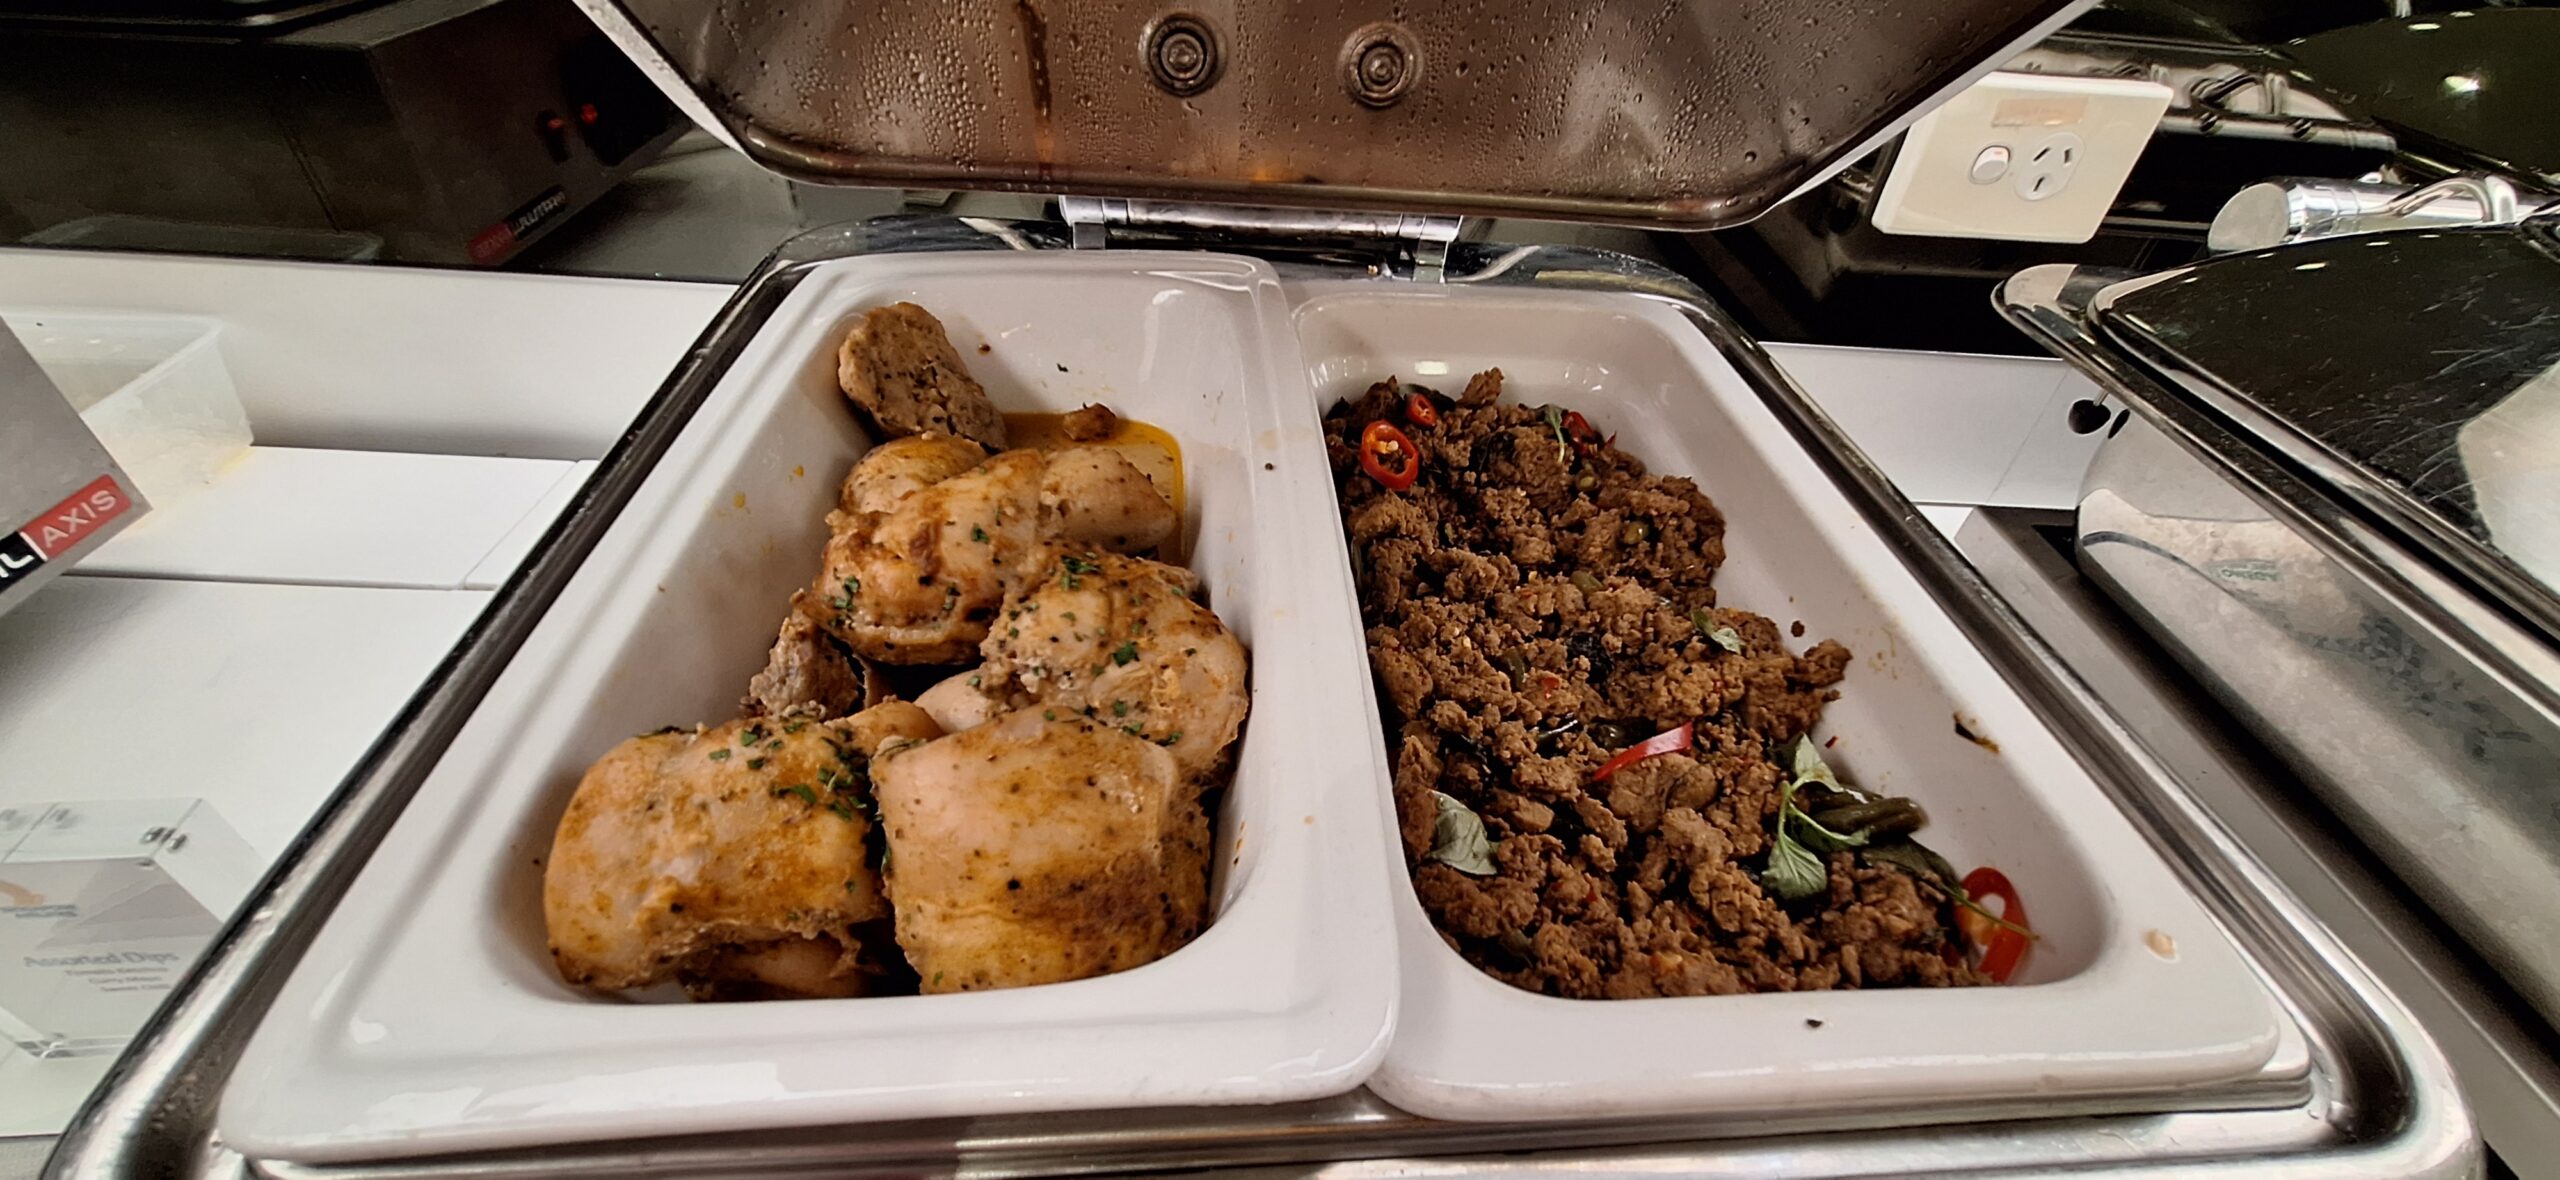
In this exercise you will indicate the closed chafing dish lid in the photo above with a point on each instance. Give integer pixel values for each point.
(2415, 375)
(1691, 113)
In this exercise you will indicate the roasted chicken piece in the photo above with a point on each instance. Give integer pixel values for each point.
(899, 366)
(810, 675)
(901, 467)
(1119, 640)
(964, 701)
(918, 583)
(1096, 496)
(801, 968)
(914, 574)
(1089, 423)
(1030, 851)
(734, 858)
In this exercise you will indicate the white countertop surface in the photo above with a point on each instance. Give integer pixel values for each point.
(419, 430)
(340, 518)
(255, 697)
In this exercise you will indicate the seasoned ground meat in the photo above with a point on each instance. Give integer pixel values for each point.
(1536, 603)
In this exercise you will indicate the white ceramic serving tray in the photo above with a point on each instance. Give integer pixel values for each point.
(427, 1016)
(2095, 1009)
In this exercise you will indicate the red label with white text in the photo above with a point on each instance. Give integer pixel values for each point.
(70, 522)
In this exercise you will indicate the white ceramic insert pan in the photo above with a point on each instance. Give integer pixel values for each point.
(2131, 986)
(427, 1016)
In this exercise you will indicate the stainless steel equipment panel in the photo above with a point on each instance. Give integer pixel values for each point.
(1691, 114)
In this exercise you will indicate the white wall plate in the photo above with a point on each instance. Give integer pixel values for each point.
(2020, 157)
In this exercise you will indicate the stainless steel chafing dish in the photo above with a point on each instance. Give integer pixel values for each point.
(1698, 114)
(2337, 501)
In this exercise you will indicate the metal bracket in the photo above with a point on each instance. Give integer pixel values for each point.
(1416, 245)
(2286, 210)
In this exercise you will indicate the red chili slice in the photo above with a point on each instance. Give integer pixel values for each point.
(1419, 410)
(1669, 741)
(2003, 942)
(1579, 429)
(1389, 456)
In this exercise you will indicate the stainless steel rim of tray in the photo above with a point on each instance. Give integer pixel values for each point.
(2380, 1099)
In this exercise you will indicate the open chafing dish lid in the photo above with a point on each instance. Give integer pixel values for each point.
(1670, 113)
(2415, 374)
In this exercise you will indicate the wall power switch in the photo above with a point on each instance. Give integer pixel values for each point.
(2020, 157)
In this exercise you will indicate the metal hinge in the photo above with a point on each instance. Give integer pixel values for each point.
(1413, 246)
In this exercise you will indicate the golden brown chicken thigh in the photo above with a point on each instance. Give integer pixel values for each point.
(965, 701)
(918, 580)
(1030, 851)
(735, 854)
(901, 467)
(918, 583)
(1119, 640)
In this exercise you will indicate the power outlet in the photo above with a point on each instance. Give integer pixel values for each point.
(2046, 167)
(2020, 157)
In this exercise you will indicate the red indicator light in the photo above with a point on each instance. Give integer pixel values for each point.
(587, 113)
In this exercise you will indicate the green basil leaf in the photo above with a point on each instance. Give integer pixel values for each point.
(1793, 872)
(1809, 766)
(1917, 859)
(1458, 838)
(1904, 856)
(1724, 637)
